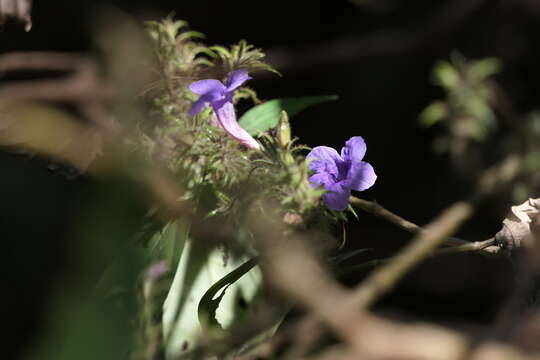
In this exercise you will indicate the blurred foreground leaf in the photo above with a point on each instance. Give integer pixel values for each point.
(49, 131)
(92, 314)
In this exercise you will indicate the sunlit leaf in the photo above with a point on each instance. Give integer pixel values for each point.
(435, 112)
(199, 269)
(266, 116)
(209, 302)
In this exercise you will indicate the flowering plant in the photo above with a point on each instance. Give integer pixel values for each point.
(214, 227)
(220, 97)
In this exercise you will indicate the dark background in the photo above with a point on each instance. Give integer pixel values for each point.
(377, 57)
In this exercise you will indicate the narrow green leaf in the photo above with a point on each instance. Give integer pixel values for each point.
(266, 116)
(199, 269)
(208, 305)
(223, 52)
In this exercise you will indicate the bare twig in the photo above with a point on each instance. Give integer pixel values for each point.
(485, 247)
(378, 210)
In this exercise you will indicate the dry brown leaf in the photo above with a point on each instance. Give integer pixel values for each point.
(517, 224)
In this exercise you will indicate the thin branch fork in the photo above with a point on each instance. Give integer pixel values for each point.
(291, 268)
(486, 247)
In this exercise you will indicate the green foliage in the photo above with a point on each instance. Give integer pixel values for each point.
(242, 56)
(528, 147)
(188, 286)
(470, 95)
(222, 179)
(266, 116)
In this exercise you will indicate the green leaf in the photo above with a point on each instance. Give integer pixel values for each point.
(434, 113)
(180, 326)
(171, 241)
(481, 69)
(208, 305)
(199, 268)
(223, 52)
(266, 116)
(446, 75)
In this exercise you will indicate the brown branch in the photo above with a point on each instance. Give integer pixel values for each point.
(292, 268)
(82, 86)
(42, 61)
(377, 210)
(485, 247)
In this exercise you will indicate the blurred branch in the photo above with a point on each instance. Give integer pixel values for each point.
(83, 85)
(384, 279)
(84, 88)
(18, 9)
(291, 268)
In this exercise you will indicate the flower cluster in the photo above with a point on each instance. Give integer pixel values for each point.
(338, 174)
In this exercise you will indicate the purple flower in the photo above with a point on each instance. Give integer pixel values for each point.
(219, 96)
(155, 271)
(341, 174)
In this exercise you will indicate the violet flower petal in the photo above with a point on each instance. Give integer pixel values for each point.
(198, 106)
(212, 89)
(341, 174)
(237, 78)
(227, 118)
(361, 176)
(324, 160)
(321, 179)
(337, 197)
(354, 149)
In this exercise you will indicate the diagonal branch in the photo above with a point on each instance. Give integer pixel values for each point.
(384, 279)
